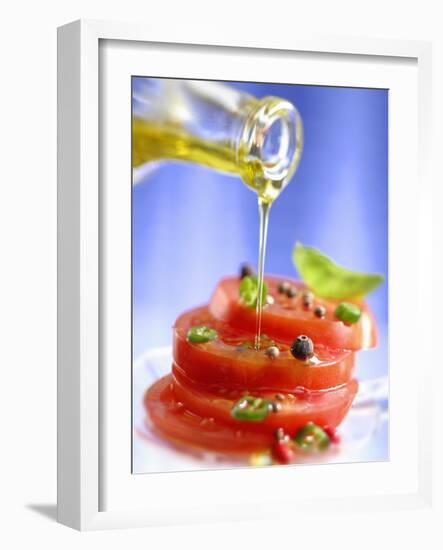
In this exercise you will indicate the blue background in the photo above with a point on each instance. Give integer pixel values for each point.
(192, 225)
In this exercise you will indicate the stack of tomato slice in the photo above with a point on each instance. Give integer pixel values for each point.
(213, 382)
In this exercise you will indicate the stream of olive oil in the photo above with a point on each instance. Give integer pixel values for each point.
(263, 209)
(151, 142)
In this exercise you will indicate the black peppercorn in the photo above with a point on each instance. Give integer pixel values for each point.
(283, 287)
(274, 407)
(246, 270)
(320, 312)
(291, 292)
(302, 348)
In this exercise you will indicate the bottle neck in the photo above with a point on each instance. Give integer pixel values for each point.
(270, 146)
(213, 124)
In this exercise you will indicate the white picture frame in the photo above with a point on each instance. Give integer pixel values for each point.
(94, 491)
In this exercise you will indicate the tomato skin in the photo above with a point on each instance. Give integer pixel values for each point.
(221, 362)
(321, 407)
(287, 318)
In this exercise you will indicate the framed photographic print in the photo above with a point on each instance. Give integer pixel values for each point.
(239, 271)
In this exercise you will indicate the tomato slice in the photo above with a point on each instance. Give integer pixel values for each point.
(201, 427)
(171, 420)
(294, 409)
(287, 318)
(230, 360)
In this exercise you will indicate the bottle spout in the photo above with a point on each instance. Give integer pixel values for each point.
(271, 146)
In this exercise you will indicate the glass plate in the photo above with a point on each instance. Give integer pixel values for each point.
(363, 433)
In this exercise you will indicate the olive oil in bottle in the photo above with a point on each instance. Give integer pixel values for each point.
(213, 124)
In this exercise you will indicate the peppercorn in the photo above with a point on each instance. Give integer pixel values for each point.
(282, 453)
(348, 313)
(312, 437)
(280, 435)
(272, 352)
(274, 407)
(251, 408)
(320, 312)
(332, 434)
(291, 292)
(246, 270)
(302, 348)
(201, 334)
(307, 299)
(283, 287)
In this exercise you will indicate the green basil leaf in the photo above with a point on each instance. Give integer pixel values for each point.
(249, 291)
(329, 280)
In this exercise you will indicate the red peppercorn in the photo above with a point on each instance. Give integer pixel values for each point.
(332, 434)
(282, 453)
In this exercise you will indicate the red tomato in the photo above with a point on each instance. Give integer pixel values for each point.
(287, 318)
(171, 420)
(174, 419)
(227, 362)
(294, 410)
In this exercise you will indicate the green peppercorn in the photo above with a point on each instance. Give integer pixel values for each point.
(302, 347)
(320, 312)
(348, 313)
(201, 334)
(250, 408)
(312, 438)
(246, 270)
